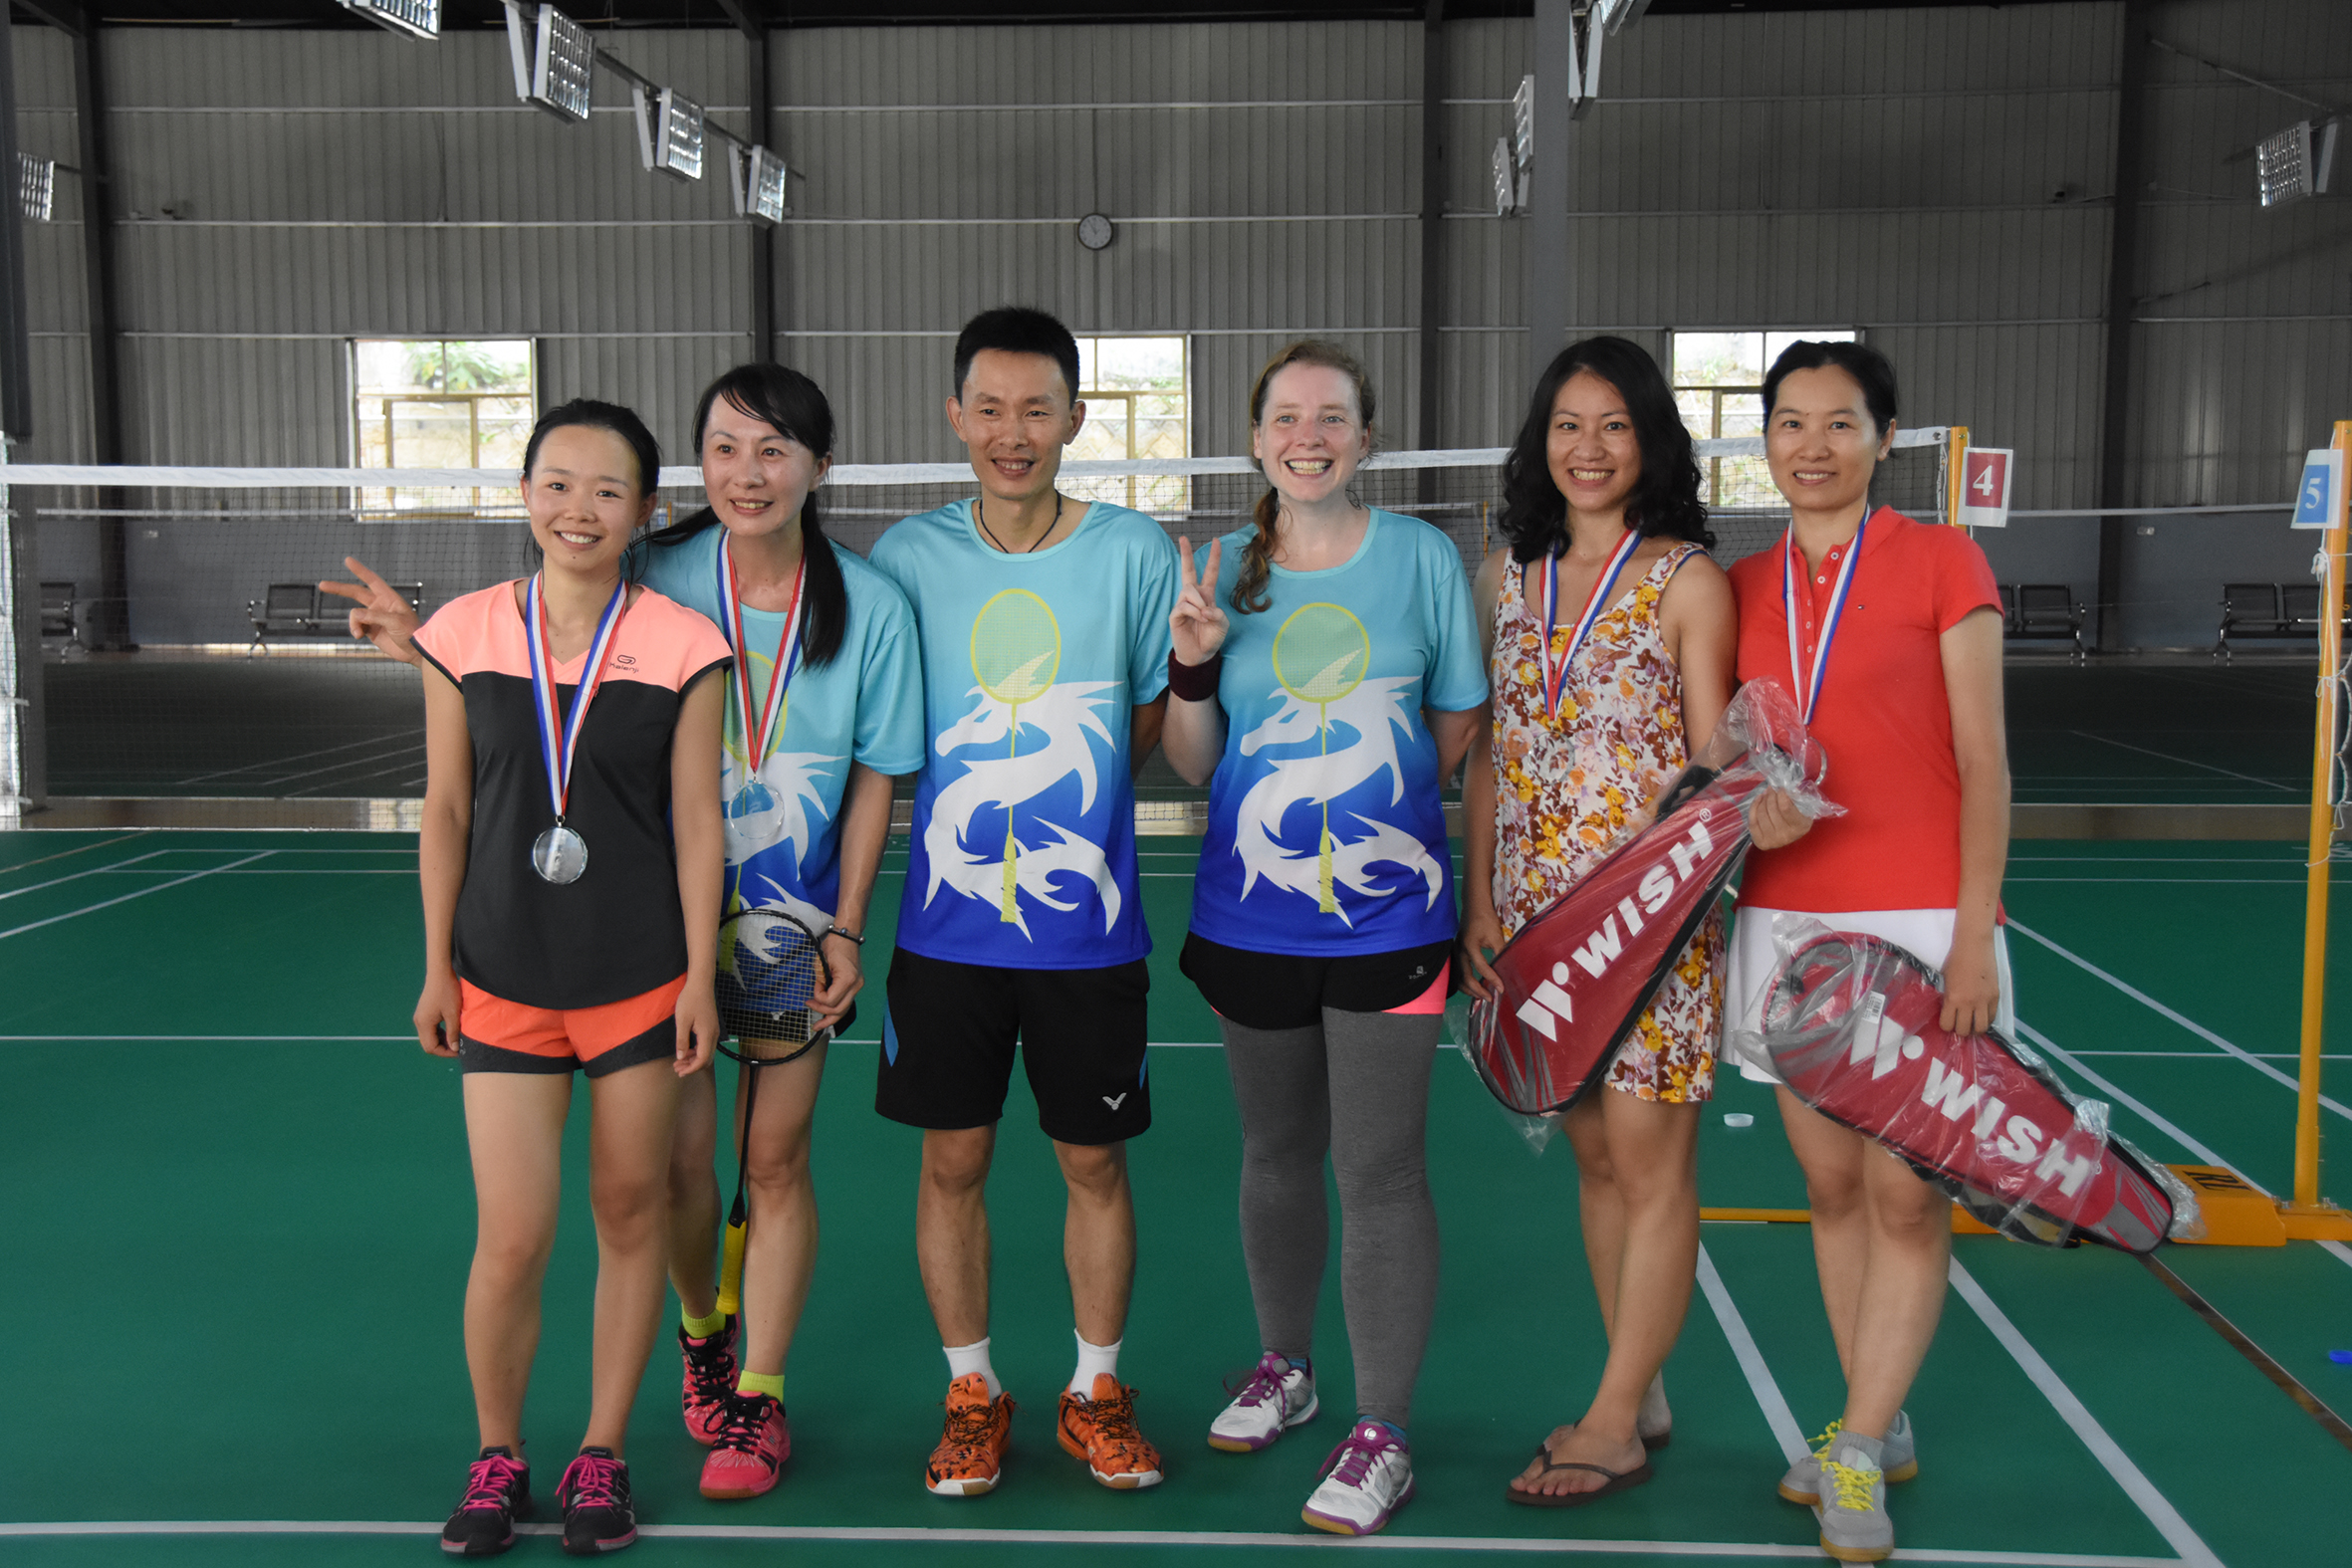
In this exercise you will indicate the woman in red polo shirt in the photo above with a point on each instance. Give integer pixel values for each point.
(1888, 631)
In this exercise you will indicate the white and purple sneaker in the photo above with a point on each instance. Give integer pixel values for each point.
(1277, 1397)
(1367, 1477)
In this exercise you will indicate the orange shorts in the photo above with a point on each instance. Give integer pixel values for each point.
(497, 1035)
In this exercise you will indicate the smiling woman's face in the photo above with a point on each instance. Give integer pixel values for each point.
(1591, 450)
(584, 499)
(754, 477)
(1820, 440)
(1311, 436)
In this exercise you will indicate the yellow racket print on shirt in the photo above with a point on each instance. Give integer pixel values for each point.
(1016, 653)
(1319, 656)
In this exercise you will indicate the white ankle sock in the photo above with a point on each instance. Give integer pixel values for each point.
(1093, 1359)
(964, 1359)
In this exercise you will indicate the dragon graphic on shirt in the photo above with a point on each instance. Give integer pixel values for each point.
(1374, 713)
(1052, 745)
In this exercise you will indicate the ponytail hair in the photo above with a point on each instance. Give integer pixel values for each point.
(796, 406)
(1249, 589)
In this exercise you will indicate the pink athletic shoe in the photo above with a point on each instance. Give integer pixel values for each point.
(751, 1449)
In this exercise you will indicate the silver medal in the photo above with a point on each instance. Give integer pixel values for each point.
(560, 855)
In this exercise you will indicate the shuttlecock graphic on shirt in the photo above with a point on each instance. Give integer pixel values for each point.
(1352, 725)
(1028, 734)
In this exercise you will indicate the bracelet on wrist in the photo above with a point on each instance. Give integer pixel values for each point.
(844, 930)
(1195, 682)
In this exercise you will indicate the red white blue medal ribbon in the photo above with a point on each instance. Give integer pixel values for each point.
(1596, 603)
(1808, 683)
(558, 734)
(760, 726)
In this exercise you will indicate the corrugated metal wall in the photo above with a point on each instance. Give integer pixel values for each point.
(1937, 177)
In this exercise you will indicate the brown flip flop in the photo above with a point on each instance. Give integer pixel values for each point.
(1617, 1481)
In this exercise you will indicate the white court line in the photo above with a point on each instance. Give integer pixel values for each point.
(17, 930)
(2182, 1020)
(2164, 1125)
(300, 757)
(2071, 1410)
(76, 876)
(880, 1534)
(2267, 783)
(2180, 881)
(78, 849)
(2161, 1123)
(1768, 1398)
(2183, 1055)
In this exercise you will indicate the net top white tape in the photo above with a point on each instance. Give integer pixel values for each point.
(843, 474)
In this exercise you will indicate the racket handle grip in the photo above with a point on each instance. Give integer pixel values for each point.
(731, 1272)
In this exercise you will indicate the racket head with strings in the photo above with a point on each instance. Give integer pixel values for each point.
(1321, 653)
(1016, 647)
(771, 968)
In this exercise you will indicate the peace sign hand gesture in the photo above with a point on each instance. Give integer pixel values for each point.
(1197, 624)
(383, 616)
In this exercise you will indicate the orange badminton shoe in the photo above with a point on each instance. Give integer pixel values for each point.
(1102, 1430)
(970, 1451)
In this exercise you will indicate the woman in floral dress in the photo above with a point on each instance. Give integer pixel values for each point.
(1601, 497)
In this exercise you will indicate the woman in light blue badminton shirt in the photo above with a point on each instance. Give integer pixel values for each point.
(1326, 679)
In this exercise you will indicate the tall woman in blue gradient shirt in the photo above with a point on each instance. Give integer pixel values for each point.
(1327, 680)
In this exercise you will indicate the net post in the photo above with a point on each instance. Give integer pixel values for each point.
(1955, 446)
(2323, 755)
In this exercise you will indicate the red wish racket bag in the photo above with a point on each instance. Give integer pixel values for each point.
(1850, 1023)
(1574, 980)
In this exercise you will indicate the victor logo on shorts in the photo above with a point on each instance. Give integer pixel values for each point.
(1115, 1105)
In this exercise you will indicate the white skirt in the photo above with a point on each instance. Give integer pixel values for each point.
(1925, 932)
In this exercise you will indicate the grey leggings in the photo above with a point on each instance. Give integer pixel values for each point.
(1355, 1085)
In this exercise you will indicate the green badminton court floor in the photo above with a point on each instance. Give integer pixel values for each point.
(239, 1212)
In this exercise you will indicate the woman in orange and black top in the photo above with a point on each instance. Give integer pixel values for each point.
(571, 860)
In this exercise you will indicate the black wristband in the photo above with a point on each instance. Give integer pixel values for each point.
(844, 930)
(1195, 682)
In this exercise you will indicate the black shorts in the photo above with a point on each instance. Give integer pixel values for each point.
(949, 1033)
(1286, 991)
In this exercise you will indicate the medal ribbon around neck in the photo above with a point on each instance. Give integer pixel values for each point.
(1808, 687)
(559, 736)
(1596, 603)
(757, 742)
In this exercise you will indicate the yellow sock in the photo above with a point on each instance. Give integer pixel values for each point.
(702, 1327)
(769, 1384)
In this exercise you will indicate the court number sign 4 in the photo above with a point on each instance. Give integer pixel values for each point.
(1984, 487)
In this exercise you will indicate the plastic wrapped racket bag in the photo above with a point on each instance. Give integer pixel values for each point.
(1850, 1024)
(1575, 981)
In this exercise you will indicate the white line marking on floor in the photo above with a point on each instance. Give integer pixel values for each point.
(76, 876)
(2169, 1128)
(302, 757)
(882, 1534)
(2186, 761)
(194, 876)
(2076, 1414)
(2162, 1124)
(1768, 1398)
(78, 849)
(2182, 1020)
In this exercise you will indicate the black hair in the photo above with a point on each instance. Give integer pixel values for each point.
(621, 422)
(1016, 328)
(796, 406)
(1665, 500)
(1872, 370)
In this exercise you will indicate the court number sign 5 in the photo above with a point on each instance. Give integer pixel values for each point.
(2317, 496)
(1984, 487)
